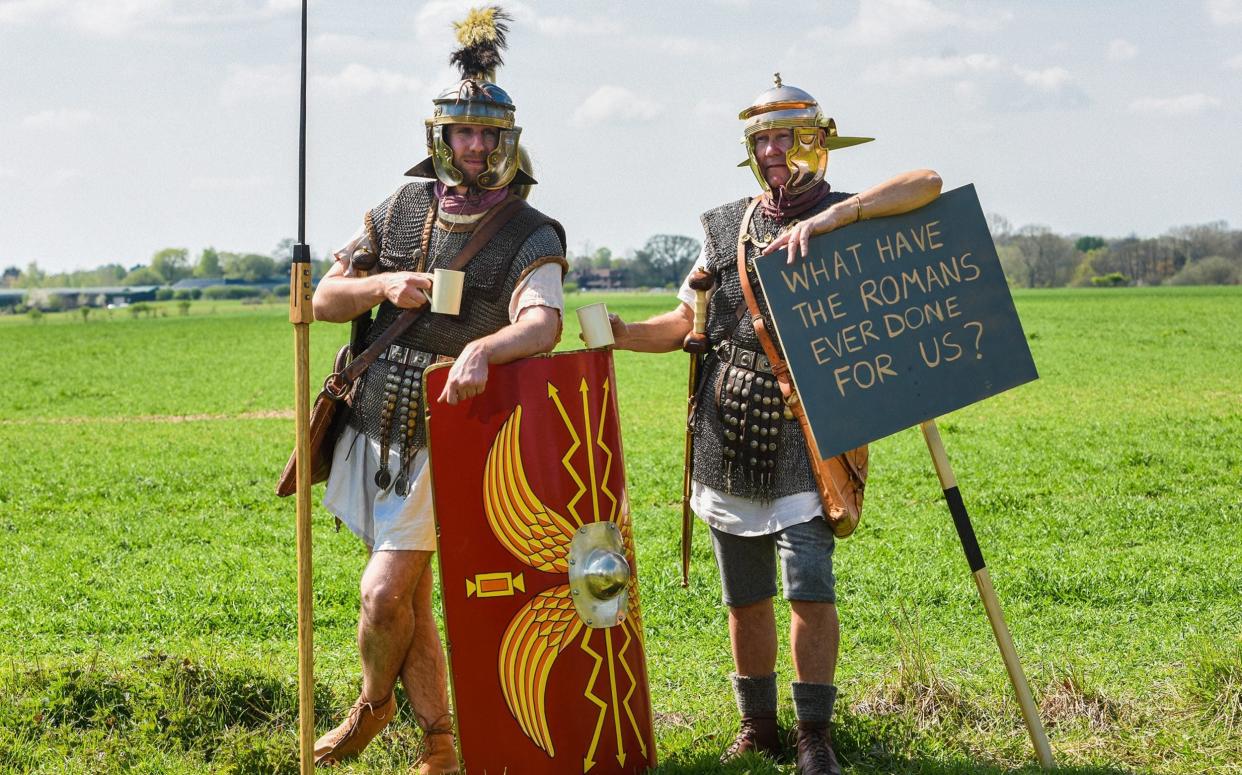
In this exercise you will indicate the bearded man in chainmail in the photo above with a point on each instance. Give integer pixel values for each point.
(511, 308)
(763, 505)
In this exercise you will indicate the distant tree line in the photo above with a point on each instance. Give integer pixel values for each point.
(1036, 257)
(662, 262)
(166, 267)
(1032, 256)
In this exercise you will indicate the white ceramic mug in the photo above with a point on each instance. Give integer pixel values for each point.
(596, 330)
(446, 288)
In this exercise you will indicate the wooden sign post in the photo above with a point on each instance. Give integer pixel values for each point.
(892, 322)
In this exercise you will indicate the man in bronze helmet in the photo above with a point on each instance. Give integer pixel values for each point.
(752, 479)
(511, 308)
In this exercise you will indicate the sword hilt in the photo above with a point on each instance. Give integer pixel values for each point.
(701, 282)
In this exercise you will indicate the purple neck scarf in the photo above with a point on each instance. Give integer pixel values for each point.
(776, 204)
(471, 203)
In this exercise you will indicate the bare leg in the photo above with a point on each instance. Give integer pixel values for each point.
(386, 620)
(814, 635)
(424, 672)
(752, 631)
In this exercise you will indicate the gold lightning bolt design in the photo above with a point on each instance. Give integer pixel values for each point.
(554, 394)
(589, 761)
(599, 441)
(625, 702)
(586, 422)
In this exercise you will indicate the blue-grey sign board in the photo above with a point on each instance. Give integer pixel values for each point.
(893, 321)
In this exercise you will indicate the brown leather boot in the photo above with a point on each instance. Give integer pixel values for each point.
(814, 746)
(757, 734)
(439, 754)
(363, 722)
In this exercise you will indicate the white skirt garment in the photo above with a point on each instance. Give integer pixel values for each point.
(383, 519)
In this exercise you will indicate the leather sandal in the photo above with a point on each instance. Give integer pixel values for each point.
(438, 754)
(363, 722)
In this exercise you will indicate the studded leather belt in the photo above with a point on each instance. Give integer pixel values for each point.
(739, 356)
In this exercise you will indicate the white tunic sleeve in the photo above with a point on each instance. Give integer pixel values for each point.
(360, 242)
(539, 288)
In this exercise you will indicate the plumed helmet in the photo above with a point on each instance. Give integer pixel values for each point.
(814, 134)
(477, 100)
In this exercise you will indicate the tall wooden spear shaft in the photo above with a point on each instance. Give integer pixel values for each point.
(301, 315)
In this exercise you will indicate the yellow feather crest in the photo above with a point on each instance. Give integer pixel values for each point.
(479, 26)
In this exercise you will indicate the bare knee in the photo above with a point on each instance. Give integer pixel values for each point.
(384, 602)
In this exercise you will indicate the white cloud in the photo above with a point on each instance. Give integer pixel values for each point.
(1182, 105)
(614, 104)
(881, 22)
(266, 82)
(114, 18)
(7, 173)
(245, 83)
(1225, 11)
(60, 118)
(357, 80)
(571, 27)
(919, 68)
(1120, 50)
(714, 110)
(685, 46)
(1050, 79)
(246, 183)
(27, 11)
(61, 176)
(1234, 62)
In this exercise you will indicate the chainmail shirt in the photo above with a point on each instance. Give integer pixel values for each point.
(729, 320)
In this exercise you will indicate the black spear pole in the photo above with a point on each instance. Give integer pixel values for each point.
(301, 316)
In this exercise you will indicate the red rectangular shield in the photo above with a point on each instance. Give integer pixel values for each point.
(539, 683)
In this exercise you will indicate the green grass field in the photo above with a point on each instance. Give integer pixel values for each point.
(148, 620)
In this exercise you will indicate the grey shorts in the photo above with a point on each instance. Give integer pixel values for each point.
(748, 564)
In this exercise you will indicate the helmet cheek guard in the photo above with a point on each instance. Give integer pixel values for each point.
(502, 163)
(807, 160)
(442, 156)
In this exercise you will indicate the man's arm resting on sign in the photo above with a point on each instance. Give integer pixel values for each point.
(901, 194)
(536, 330)
(340, 299)
(660, 334)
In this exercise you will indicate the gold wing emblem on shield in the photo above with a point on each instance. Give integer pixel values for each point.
(532, 641)
(529, 530)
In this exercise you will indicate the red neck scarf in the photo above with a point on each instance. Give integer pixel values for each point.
(471, 203)
(776, 204)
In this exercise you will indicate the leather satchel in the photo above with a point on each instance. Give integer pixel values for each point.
(330, 412)
(841, 479)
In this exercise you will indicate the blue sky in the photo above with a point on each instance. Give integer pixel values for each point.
(130, 125)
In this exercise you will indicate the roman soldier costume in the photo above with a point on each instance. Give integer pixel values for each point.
(753, 481)
(746, 443)
(513, 258)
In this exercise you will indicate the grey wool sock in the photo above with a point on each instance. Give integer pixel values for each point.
(756, 695)
(813, 702)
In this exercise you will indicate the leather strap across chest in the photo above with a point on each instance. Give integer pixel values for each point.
(779, 369)
(338, 384)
